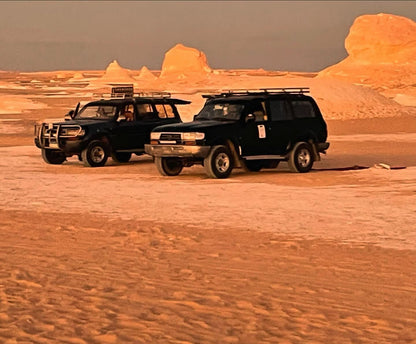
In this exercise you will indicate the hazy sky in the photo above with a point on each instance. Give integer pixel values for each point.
(274, 35)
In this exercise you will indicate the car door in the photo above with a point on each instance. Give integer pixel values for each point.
(254, 139)
(122, 134)
(131, 134)
(280, 126)
(147, 118)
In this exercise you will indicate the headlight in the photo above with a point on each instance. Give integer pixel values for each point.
(72, 131)
(37, 129)
(155, 136)
(193, 136)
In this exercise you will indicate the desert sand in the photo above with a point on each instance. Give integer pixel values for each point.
(120, 254)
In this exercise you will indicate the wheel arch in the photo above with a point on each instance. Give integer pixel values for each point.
(308, 137)
(102, 137)
(232, 145)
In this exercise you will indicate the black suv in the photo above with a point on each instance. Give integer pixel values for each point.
(254, 129)
(115, 127)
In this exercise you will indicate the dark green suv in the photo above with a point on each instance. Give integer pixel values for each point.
(251, 129)
(116, 127)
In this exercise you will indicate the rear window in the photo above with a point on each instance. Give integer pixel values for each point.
(303, 109)
(165, 111)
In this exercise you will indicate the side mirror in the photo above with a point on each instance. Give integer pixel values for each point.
(70, 115)
(250, 118)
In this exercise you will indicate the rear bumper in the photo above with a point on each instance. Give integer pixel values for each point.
(322, 146)
(179, 151)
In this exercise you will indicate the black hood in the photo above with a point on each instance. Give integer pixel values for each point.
(193, 126)
(83, 122)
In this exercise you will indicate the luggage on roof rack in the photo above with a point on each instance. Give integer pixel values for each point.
(122, 91)
(260, 91)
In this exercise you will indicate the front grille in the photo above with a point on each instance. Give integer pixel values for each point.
(170, 137)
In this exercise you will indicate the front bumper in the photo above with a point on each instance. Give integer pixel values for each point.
(66, 146)
(179, 151)
(48, 136)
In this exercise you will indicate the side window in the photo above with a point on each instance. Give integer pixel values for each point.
(303, 109)
(145, 111)
(280, 110)
(128, 112)
(259, 111)
(165, 111)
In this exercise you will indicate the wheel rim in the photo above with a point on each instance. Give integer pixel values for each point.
(304, 157)
(222, 162)
(97, 154)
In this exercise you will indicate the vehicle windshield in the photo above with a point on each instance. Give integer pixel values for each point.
(97, 112)
(221, 111)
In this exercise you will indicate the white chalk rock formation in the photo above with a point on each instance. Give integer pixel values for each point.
(381, 54)
(181, 62)
(78, 76)
(146, 74)
(115, 73)
(382, 38)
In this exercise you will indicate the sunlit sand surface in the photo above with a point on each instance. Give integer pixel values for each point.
(120, 254)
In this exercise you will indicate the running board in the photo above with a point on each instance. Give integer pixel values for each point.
(137, 150)
(264, 157)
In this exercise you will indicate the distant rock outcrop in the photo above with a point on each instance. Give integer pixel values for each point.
(382, 55)
(78, 76)
(181, 62)
(115, 73)
(146, 74)
(382, 38)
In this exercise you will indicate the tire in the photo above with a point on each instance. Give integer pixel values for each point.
(96, 154)
(53, 156)
(169, 166)
(254, 165)
(219, 162)
(121, 156)
(301, 158)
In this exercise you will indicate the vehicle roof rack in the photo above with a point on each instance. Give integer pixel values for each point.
(123, 92)
(259, 91)
(153, 94)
